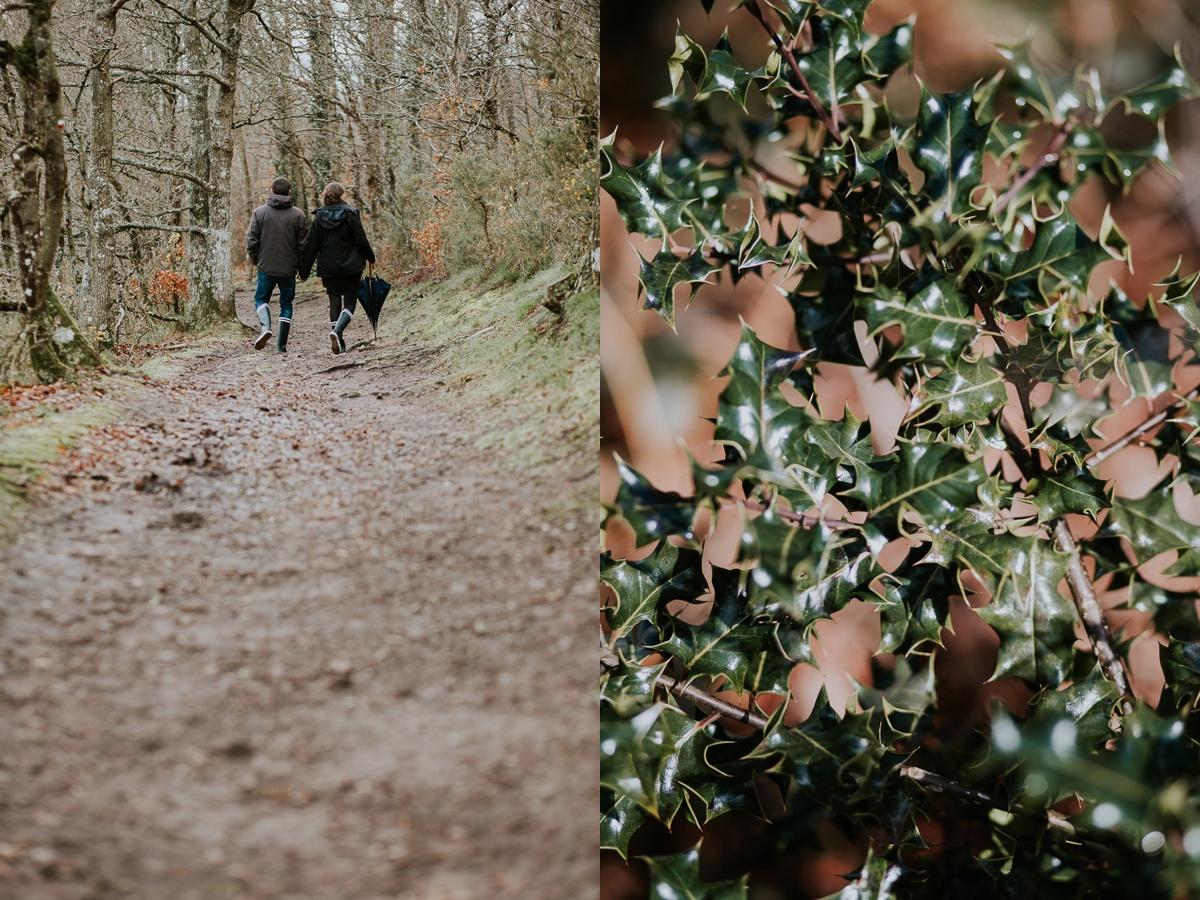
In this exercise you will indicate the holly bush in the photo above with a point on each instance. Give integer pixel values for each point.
(961, 277)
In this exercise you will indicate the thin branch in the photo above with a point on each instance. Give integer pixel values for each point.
(163, 170)
(1093, 617)
(713, 705)
(785, 51)
(1049, 155)
(930, 781)
(1098, 456)
(788, 515)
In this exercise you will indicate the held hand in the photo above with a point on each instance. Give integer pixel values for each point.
(370, 268)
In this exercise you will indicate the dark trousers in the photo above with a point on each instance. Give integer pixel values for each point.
(339, 299)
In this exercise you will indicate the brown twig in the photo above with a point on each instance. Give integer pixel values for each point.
(1098, 456)
(713, 705)
(785, 51)
(789, 516)
(1049, 155)
(1082, 590)
(930, 781)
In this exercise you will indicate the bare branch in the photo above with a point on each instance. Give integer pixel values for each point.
(1098, 456)
(162, 170)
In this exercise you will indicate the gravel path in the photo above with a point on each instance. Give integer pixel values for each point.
(280, 633)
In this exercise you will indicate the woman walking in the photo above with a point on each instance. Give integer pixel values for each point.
(339, 245)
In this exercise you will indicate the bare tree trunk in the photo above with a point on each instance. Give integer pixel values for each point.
(99, 272)
(203, 296)
(50, 337)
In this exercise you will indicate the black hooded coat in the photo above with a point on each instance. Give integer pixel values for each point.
(338, 244)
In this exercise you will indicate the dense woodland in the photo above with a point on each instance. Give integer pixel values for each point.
(464, 131)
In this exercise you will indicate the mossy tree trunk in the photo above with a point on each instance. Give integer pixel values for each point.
(50, 340)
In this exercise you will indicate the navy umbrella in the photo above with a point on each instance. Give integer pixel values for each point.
(371, 293)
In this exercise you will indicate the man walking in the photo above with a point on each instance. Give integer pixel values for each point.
(275, 239)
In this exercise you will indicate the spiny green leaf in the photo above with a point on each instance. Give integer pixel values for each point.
(1153, 526)
(643, 586)
(826, 754)
(825, 307)
(678, 878)
(724, 74)
(753, 414)
(915, 607)
(936, 322)
(730, 642)
(936, 481)
(651, 513)
(642, 196)
(1068, 492)
(1061, 257)
(948, 146)
(962, 393)
(665, 272)
(805, 573)
(1089, 704)
(1157, 96)
(1034, 621)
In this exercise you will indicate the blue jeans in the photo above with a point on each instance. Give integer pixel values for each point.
(287, 291)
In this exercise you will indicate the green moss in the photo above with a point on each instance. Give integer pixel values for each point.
(501, 351)
(30, 441)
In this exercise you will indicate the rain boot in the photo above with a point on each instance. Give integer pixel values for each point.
(264, 316)
(285, 325)
(336, 343)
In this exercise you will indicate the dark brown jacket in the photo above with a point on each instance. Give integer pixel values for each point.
(276, 235)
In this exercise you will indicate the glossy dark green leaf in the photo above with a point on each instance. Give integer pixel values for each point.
(825, 308)
(678, 878)
(1035, 622)
(805, 573)
(642, 196)
(1144, 361)
(1068, 492)
(948, 146)
(731, 642)
(826, 753)
(936, 322)
(1152, 525)
(665, 272)
(1062, 256)
(1157, 96)
(651, 513)
(961, 393)
(643, 586)
(1088, 704)
(878, 879)
(935, 481)
(915, 607)
(753, 413)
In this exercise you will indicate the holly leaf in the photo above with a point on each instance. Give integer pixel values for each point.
(936, 322)
(1068, 492)
(665, 271)
(1144, 362)
(643, 199)
(730, 642)
(935, 481)
(1153, 526)
(643, 586)
(722, 73)
(1089, 704)
(915, 607)
(825, 305)
(1061, 257)
(962, 393)
(949, 145)
(826, 754)
(752, 413)
(1035, 623)
(805, 573)
(651, 513)
(1160, 94)
(678, 878)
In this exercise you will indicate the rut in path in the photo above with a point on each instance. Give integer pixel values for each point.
(283, 634)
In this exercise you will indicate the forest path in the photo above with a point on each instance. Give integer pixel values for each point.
(279, 633)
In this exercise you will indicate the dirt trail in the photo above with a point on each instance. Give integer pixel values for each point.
(284, 634)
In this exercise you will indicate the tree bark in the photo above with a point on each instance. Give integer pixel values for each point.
(50, 338)
(99, 271)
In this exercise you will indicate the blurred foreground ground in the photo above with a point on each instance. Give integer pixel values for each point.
(283, 632)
